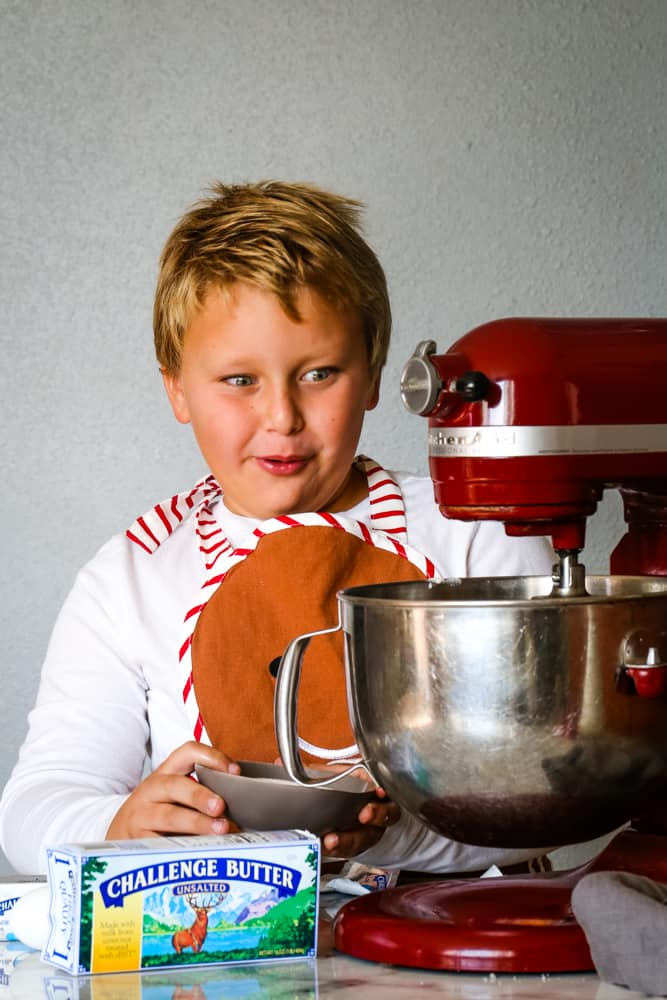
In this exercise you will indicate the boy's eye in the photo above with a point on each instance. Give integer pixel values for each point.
(318, 374)
(238, 380)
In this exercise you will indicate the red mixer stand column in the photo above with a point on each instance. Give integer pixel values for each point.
(513, 923)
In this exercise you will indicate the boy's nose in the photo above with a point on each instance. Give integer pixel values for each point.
(283, 413)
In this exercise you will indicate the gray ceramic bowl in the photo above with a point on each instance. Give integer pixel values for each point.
(263, 797)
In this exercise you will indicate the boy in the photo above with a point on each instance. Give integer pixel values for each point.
(272, 326)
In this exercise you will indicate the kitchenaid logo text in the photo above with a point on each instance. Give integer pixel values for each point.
(200, 870)
(471, 440)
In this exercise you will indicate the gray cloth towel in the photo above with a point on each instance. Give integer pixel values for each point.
(624, 918)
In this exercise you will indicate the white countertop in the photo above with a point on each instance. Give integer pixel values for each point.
(330, 975)
(23, 976)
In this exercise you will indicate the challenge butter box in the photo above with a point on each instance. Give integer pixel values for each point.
(128, 905)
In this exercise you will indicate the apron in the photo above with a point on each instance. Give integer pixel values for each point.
(280, 583)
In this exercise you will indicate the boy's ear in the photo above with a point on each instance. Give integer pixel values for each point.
(173, 384)
(373, 394)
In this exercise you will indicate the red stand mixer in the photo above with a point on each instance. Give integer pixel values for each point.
(530, 420)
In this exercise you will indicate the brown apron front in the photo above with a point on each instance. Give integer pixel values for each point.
(287, 586)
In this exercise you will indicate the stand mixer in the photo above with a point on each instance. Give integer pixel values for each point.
(530, 420)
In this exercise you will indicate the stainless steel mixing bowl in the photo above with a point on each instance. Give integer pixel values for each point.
(499, 714)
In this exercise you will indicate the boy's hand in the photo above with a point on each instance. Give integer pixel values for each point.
(169, 801)
(374, 819)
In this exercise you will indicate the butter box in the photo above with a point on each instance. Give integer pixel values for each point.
(12, 887)
(165, 902)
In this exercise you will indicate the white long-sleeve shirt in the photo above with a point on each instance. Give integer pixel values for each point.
(110, 692)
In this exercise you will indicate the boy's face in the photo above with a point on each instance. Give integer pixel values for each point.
(276, 405)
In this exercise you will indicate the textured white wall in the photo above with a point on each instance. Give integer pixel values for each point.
(512, 154)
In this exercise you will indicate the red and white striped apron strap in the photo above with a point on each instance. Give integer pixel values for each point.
(386, 499)
(156, 525)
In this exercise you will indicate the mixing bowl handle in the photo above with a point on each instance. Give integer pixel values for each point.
(284, 712)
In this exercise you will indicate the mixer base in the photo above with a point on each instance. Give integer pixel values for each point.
(515, 923)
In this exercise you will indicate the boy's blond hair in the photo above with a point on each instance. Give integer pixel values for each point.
(278, 237)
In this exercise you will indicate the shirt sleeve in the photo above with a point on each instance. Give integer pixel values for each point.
(87, 734)
(469, 548)
(494, 553)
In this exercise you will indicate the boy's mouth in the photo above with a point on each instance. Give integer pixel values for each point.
(282, 465)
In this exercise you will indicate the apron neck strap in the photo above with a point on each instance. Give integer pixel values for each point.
(387, 515)
(386, 500)
(157, 524)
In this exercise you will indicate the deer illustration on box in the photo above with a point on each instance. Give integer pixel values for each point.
(194, 936)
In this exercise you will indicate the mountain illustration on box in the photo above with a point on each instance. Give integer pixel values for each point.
(239, 906)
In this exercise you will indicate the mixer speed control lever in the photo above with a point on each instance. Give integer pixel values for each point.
(472, 386)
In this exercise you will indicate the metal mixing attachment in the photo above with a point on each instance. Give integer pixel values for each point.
(568, 575)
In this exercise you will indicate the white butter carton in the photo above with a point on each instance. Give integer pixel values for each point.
(165, 902)
(12, 887)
